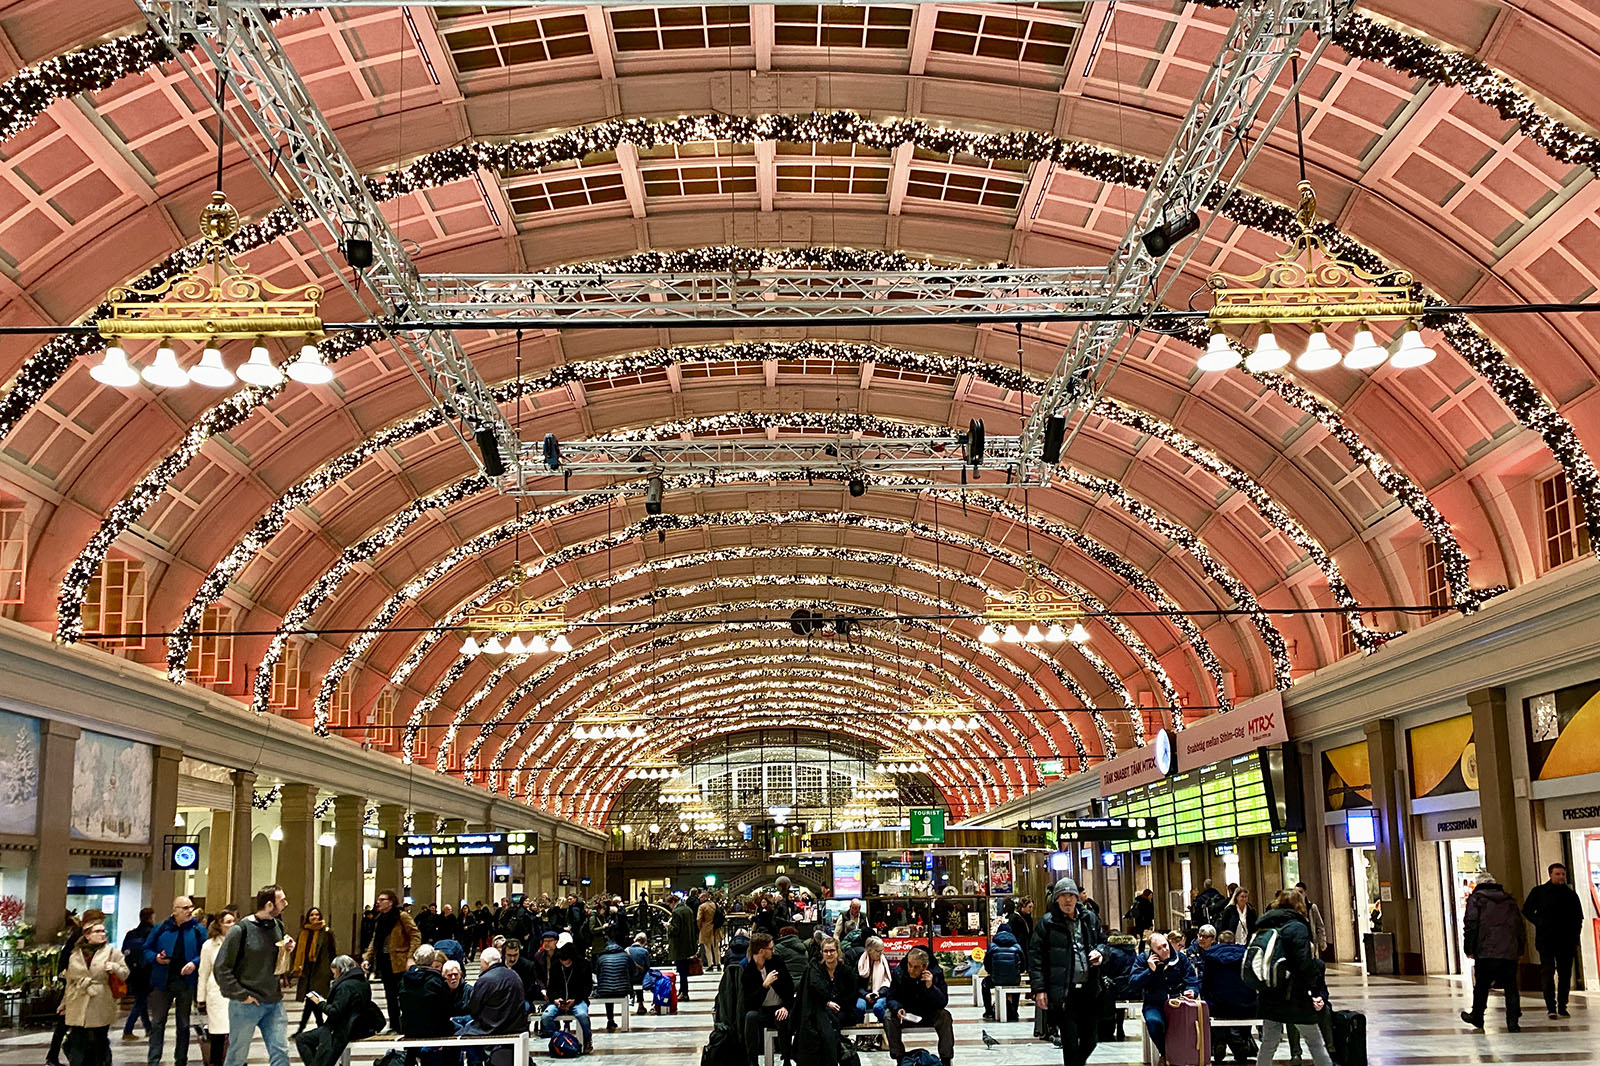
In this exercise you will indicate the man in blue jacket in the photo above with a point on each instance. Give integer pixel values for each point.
(1003, 961)
(172, 952)
(918, 997)
(1158, 975)
(1222, 986)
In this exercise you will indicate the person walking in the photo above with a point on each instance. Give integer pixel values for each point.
(705, 922)
(348, 1013)
(313, 962)
(87, 1003)
(172, 951)
(1302, 993)
(209, 993)
(1557, 916)
(394, 938)
(138, 972)
(246, 971)
(1208, 906)
(683, 940)
(1142, 912)
(1494, 938)
(1064, 968)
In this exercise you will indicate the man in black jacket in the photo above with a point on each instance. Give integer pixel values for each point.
(347, 1015)
(1064, 968)
(1557, 916)
(426, 1004)
(768, 998)
(918, 997)
(568, 992)
(1494, 938)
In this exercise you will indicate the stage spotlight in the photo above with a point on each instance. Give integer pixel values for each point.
(652, 495)
(1055, 434)
(1159, 241)
(552, 452)
(857, 485)
(489, 445)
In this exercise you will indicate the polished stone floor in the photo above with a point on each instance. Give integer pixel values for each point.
(1410, 1021)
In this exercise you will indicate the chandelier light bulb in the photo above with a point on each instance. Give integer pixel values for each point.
(915, 725)
(113, 370)
(974, 724)
(561, 645)
(1055, 634)
(1219, 355)
(259, 370)
(944, 725)
(989, 635)
(494, 647)
(210, 371)
(538, 645)
(1411, 351)
(1034, 635)
(514, 646)
(1268, 354)
(308, 368)
(1319, 354)
(470, 645)
(165, 371)
(1013, 635)
(1365, 352)
(1079, 635)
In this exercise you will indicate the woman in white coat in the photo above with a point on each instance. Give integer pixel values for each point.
(87, 1002)
(216, 1003)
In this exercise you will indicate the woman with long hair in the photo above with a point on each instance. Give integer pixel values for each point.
(314, 950)
(88, 1004)
(211, 997)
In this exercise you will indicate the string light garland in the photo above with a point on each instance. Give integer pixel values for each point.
(263, 801)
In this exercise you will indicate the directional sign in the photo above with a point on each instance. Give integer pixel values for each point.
(1106, 828)
(927, 825)
(447, 845)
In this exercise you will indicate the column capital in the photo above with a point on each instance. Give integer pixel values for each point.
(298, 800)
(167, 753)
(49, 727)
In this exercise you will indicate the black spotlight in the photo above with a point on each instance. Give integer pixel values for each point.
(358, 252)
(1055, 433)
(1159, 241)
(972, 444)
(489, 445)
(804, 622)
(844, 626)
(857, 485)
(652, 495)
(552, 452)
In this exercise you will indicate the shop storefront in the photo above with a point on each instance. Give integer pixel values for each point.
(1564, 764)
(1443, 778)
(1355, 904)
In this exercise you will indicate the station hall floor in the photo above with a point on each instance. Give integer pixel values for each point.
(1411, 1022)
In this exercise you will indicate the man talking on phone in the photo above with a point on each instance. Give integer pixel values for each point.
(246, 972)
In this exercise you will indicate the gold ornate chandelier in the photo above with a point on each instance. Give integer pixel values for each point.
(512, 612)
(1308, 285)
(215, 301)
(1033, 604)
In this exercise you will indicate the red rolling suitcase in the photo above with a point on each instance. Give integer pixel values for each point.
(1188, 1032)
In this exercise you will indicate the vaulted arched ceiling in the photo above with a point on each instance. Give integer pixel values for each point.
(1188, 495)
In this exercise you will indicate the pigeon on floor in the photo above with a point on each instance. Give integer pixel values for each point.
(988, 1041)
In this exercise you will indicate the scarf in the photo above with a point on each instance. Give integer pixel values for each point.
(308, 948)
(380, 934)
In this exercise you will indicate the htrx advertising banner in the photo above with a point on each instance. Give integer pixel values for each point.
(847, 875)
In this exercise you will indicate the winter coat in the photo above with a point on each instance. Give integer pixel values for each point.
(1004, 959)
(246, 964)
(517, 924)
(171, 937)
(1290, 1001)
(817, 1033)
(1207, 907)
(210, 994)
(613, 973)
(403, 940)
(1168, 981)
(1222, 984)
(1227, 920)
(755, 995)
(574, 982)
(682, 936)
(1021, 926)
(532, 972)
(848, 925)
(316, 970)
(426, 1004)
(133, 955)
(556, 917)
(618, 931)
(87, 999)
(1493, 925)
(790, 951)
(706, 926)
(349, 1001)
(1051, 960)
(914, 997)
(1143, 913)
(1557, 916)
(496, 1004)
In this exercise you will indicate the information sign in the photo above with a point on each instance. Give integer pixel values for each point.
(448, 845)
(927, 825)
(1106, 828)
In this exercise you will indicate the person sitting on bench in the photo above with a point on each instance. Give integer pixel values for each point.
(768, 998)
(918, 997)
(568, 993)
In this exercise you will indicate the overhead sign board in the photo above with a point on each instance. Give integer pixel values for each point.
(1106, 828)
(1138, 767)
(1255, 723)
(1037, 833)
(449, 845)
(927, 825)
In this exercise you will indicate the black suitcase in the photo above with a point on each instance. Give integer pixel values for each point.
(1349, 1038)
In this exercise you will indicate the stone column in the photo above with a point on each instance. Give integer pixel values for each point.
(47, 882)
(240, 891)
(450, 873)
(160, 880)
(1497, 801)
(1389, 800)
(219, 861)
(345, 880)
(479, 885)
(390, 818)
(424, 872)
(297, 851)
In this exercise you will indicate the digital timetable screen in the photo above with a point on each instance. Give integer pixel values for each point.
(1218, 802)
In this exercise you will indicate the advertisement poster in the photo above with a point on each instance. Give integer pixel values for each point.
(847, 875)
(111, 789)
(896, 948)
(1001, 874)
(959, 956)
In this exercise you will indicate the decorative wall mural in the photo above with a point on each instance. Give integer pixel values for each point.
(1444, 759)
(111, 789)
(19, 774)
(1347, 777)
(1564, 732)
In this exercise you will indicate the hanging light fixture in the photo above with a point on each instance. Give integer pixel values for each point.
(1411, 351)
(1055, 634)
(210, 371)
(1219, 355)
(165, 371)
(514, 646)
(1079, 634)
(1365, 352)
(470, 646)
(259, 370)
(1319, 354)
(113, 369)
(989, 635)
(561, 645)
(1034, 603)
(1267, 355)
(494, 647)
(308, 368)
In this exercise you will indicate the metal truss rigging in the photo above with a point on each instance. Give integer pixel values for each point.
(292, 144)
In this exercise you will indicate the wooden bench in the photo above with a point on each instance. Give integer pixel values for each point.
(624, 1005)
(769, 1037)
(521, 1049)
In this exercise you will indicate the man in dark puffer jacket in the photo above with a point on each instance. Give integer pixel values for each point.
(1494, 937)
(613, 972)
(1003, 961)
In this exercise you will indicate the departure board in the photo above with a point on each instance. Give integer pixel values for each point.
(1218, 802)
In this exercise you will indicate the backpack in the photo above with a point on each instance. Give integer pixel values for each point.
(723, 1048)
(738, 948)
(1263, 965)
(920, 1057)
(661, 991)
(564, 1044)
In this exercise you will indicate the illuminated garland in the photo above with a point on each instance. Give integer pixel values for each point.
(262, 801)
